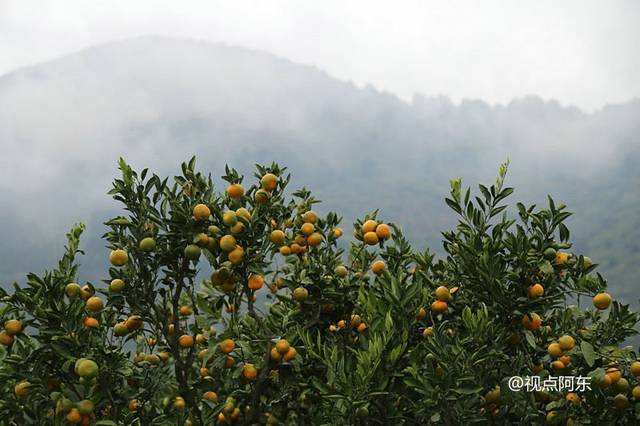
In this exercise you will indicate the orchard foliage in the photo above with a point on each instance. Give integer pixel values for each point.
(243, 306)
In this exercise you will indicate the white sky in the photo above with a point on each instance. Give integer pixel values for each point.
(585, 53)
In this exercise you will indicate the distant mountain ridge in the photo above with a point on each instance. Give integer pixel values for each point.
(157, 101)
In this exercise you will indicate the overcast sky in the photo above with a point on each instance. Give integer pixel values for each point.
(584, 53)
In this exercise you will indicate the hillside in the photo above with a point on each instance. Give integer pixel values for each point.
(156, 101)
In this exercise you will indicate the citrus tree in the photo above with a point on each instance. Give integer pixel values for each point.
(244, 306)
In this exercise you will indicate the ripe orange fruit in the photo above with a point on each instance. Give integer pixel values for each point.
(255, 282)
(377, 267)
(371, 238)
(235, 190)
(307, 228)
(566, 342)
(210, 396)
(227, 346)
(309, 217)
(565, 359)
(636, 392)
(282, 346)
(13, 326)
(314, 239)
(228, 243)
(133, 405)
(133, 323)
(243, 213)
(300, 294)
(428, 332)
(275, 355)
(561, 258)
(74, 416)
(86, 292)
(236, 255)
(557, 365)
(120, 329)
(262, 196)
(201, 212)
(534, 291)
(341, 324)
(573, 397)
(337, 232)
(355, 320)
(91, 322)
(554, 350)
(362, 327)
(422, 314)
(269, 182)
(442, 293)
(531, 321)
(291, 354)
(369, 226)
(439, 306)
(383, 231)
(614, 374)
(179, 403)
(6, 339)
(229, 218)
(202, 239)
(277, 237)
(602, 300)
(285, 250)
(118, 257)
(22, 389)
(229, 362)
(249, 372)
(185, 341)
(297, 248)
(185, 310)
(635, 368)
(94, 304)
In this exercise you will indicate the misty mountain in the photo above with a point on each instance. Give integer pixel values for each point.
(158, 101)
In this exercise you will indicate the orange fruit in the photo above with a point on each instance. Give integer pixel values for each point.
(602, 300)
(428, 332)
(227, 346)
(147, 244)
(72, 290)
(116, 285)
(383, 231)
(22, 389)
(614, 374)
(314, 239)
(255, 282)
(620, 401)
(307, 228)
(185, 310)
(86, 368)
(202, 239)
(210, 396)
(337, 232)
(362, 327)
(201, 212)
(422, 314)
(635, 368)
(185, 341)
(275, 355)
(355, 320)
(636, 392)
(249, 372)
(300, 294)
(91, 322)
(572, 397)
(277, 237)
(74, 416)
(133, 405)
(534, 291)
(561, 258)
(179, 403)
(439, 306)
(371, 238)
(235, 190)
(557, 365)
(236, 255)
(134, 322)
(118, 257)
(285, 250)
(262, 196)
(309, 217)
(13, 327)
(377, 267)
(442, 293)
(282, 346)
(341, 324)
(269, 182)
(531, 321)
(565, 359)
(554, 350)
(291, 354)
(229, 362)
(229, 218)
(6, 339)
(566, 342)
(94, 304)
(369, 226)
